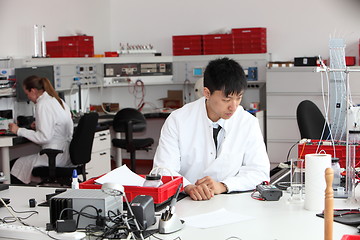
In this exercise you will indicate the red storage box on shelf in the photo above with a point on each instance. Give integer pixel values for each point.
(217, 44)
(249, 40)
(111, 54)
(61, 49)
(350, 61)
(340, 151)
(187, 45)
(85, 40)
(159, 194)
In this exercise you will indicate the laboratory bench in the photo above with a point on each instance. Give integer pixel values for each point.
(225, 216)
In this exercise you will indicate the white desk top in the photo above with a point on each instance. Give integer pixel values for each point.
(273, 220)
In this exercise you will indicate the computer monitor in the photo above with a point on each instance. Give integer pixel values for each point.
(22, 73)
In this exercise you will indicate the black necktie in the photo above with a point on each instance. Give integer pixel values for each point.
(215, 134)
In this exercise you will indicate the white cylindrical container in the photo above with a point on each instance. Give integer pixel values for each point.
(315, 165)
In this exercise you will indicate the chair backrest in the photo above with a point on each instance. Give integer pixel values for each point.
(126, 115)
(82, 141)
(311, 121)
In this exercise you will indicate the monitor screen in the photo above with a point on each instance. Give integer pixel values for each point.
(22, 73)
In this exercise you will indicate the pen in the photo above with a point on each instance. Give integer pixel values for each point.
(174, 199)
(170, 211)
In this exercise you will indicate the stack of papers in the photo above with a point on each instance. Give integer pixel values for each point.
(122, 175)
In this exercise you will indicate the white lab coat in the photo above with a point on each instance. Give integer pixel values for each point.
(186, 147)
(54, 129)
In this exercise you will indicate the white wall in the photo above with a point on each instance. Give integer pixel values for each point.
(295, 28)
(61, 18)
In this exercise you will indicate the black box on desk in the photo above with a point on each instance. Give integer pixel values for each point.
(306, 61)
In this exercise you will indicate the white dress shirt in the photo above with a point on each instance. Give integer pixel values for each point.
(54, 129)
(186, 147)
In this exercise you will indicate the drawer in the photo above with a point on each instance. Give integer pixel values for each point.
(102, 141)
(282, 128)
(278, 151)
(99, 164)
(294, 82)
(285, 106)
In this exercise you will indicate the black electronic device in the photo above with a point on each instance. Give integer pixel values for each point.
(22, 73)
(144, 210)
(269, 192)
(6, 200)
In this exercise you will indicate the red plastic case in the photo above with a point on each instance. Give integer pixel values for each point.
(340, 151)
(187, 45)
(159, 194)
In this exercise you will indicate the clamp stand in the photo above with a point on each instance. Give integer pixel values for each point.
(173, 224)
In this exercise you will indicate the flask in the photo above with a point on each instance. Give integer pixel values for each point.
(75, 181)
(337, 173)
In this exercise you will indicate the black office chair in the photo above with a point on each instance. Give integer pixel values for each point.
(80, 153)
(128, 121)
(311, 121)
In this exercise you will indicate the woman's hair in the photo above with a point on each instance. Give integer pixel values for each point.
(42, 83)
(226, 75)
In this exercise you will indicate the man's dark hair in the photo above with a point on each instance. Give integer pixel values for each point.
(226, 75)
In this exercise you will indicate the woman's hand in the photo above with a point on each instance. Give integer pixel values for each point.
(13, 128)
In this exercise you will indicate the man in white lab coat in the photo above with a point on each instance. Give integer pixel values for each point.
(235, 159)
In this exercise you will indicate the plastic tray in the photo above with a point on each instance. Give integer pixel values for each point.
(340, 151)
(159, 194)
(350, 237)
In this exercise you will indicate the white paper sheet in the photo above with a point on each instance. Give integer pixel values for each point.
(122, 175)
(214, 219)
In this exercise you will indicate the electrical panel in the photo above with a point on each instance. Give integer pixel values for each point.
(69, 76)
(147, 72)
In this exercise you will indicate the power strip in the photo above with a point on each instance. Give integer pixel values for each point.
(13, 231)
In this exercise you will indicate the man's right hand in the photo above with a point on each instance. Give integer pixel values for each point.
(199, 192)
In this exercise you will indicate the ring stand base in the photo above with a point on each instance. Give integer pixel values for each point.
(172, 225)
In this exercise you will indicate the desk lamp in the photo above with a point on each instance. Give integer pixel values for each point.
(115, 189)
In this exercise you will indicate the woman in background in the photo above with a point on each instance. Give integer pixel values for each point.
(53, 128)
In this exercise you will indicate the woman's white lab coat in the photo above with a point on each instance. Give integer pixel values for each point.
(54, 129)
(186, 146)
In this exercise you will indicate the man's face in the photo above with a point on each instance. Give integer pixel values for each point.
(220, 106)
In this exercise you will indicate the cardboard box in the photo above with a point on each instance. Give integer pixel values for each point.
(110, 107)
(174, 99)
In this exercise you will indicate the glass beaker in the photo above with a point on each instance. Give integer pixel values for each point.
(296, 188)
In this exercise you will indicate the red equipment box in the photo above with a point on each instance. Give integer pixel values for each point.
(187, 45)
(350, 61)
(340, 151)
(159, 194)
(217, 44)
(71, 46)
(249, 40)
(62, 49)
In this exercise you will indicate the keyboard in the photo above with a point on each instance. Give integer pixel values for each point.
(12, 231)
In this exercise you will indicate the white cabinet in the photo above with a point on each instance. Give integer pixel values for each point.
(100, 162)
(285, 89)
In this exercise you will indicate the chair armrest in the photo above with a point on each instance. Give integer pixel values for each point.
(51, 154)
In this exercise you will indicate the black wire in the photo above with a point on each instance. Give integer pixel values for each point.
(287, 157)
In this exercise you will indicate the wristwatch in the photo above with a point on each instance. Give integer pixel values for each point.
(226, 187)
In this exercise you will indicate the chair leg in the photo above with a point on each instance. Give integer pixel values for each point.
(133, 163)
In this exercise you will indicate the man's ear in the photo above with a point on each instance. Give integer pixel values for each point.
(206, 93)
